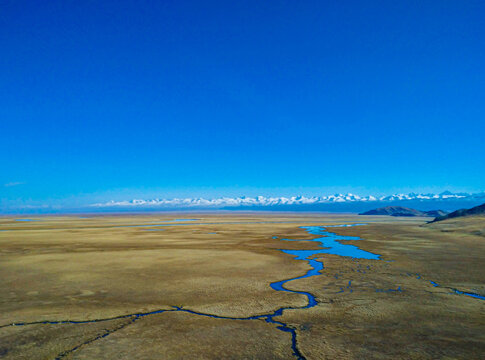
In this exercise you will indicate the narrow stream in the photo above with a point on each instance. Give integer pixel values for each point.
(459, 292)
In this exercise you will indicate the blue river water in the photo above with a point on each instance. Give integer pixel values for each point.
(481, 297)
(459, 292)
(329, 244)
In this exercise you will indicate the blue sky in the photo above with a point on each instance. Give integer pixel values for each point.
(122, 99)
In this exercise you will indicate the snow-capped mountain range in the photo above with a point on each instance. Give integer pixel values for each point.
(258, 201)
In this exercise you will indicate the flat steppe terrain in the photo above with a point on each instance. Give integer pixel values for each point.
(154, 287)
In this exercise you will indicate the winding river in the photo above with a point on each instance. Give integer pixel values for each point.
(329, 245)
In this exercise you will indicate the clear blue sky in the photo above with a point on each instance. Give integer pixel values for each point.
(122, 99)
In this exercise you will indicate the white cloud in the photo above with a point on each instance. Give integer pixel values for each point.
(14, 183)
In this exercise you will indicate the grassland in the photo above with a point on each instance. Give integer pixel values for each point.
(124, 277)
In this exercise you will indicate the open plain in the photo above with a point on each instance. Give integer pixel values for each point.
(172, 286)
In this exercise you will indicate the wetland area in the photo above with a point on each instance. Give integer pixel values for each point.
(241, 286)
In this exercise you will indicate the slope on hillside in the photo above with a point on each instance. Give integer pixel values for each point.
(463, 225)
(436, 213)
(402, 211)
(477, 210)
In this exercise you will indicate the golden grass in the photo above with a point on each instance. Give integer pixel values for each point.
(102, 267)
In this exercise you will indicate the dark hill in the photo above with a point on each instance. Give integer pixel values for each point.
(403, 211)
(477, 210)
(436, 213)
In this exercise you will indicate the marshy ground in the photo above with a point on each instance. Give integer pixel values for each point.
(149, 287)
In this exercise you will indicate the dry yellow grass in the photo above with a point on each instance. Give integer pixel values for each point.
(104, 267)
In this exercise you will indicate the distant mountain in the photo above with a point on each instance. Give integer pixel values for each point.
(402, 211)
(477, 210)
(263, 201)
